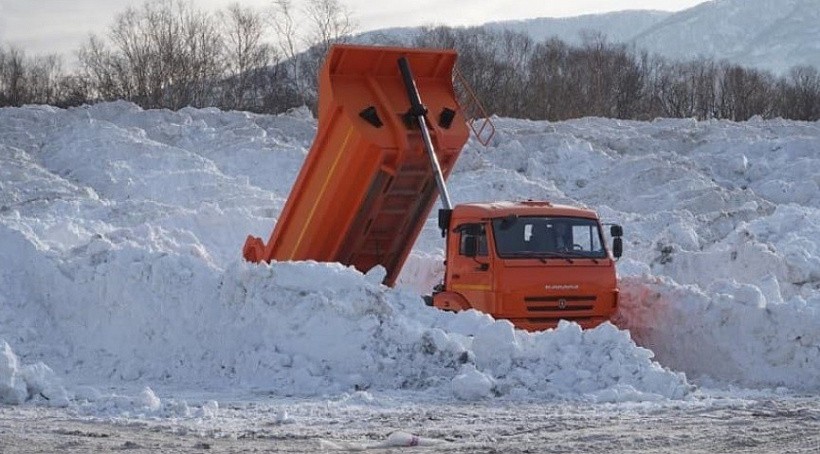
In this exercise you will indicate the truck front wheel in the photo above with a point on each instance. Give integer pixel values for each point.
(450, 301)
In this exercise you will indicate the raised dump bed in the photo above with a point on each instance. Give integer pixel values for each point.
(367, 185)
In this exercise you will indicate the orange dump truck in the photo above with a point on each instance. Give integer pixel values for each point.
(390, 131)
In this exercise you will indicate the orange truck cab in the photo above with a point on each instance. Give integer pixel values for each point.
(386, 141)
(533, 263)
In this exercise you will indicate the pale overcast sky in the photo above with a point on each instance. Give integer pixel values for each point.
(60, 26)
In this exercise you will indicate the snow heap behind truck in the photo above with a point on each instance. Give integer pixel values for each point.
(370, 179)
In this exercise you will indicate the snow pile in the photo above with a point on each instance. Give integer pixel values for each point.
(90, 401)
(372, 337)
(273, 327)
(19, 383)
(121, 232)
(742, 336)
(722, 238)
(12, 386)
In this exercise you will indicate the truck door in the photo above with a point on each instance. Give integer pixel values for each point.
(471, 276)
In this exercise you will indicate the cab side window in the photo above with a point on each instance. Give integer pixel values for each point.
(476, 231)
(586, 237)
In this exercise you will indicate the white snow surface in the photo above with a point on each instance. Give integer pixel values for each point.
(120, 264)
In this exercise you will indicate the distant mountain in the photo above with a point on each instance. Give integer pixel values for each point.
(619, 26)
(767, 34)
(774, 35)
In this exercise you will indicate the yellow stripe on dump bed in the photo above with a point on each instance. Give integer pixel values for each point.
(321, 194)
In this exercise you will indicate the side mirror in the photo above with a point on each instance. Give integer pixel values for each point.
(617, 247)
(444, 217)
(616, 231)
(471, 246)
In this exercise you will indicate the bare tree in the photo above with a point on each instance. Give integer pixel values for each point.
(513, 53)
(247, 56)
(74, 90)
(132, 65)
(99, 66)
(12, 77)
(548, 84)
(203, 55)
(629, 82)
(494, 64)
(284, 25)
(745, 93)
(799, 94)
(43, 79)
(25, 80)
(323, 23)
(165, 54)
(330, 21)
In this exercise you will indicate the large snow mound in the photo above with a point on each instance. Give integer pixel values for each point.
(121, 231)
(20, 383)
(721, 274)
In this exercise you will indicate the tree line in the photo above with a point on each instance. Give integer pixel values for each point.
(552, 80)
(170, 54)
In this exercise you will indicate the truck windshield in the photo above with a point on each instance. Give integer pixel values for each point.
(545, 237)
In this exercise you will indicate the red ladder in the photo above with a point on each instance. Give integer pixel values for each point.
(477, 118)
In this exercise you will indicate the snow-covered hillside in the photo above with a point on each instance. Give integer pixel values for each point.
(120, 264)
(619, 26)
(770, 34)
(773, 35)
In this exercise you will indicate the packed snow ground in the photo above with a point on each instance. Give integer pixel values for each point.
(120, 265)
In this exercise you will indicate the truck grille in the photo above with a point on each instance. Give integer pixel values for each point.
(559, 303)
